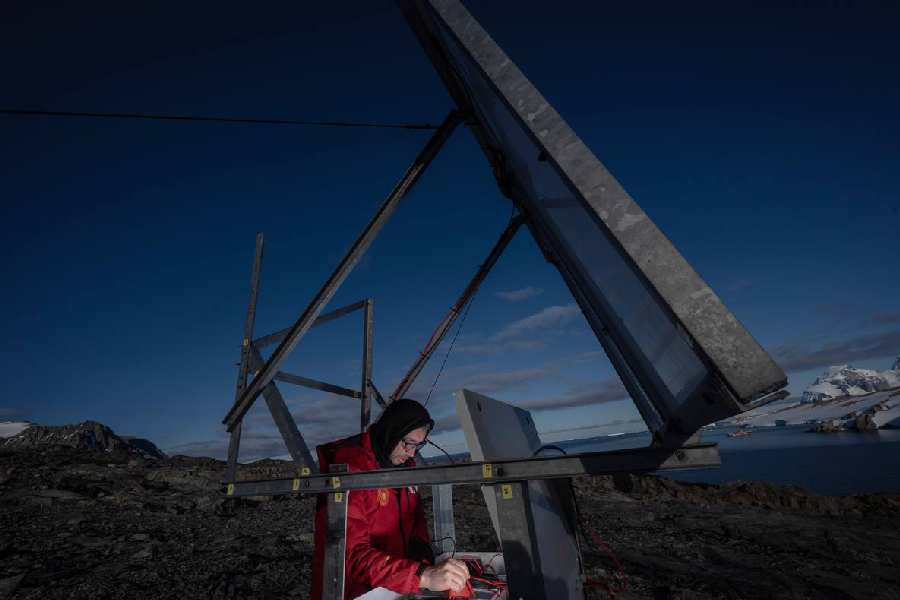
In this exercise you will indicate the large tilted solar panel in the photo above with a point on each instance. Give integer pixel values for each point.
(684, 357)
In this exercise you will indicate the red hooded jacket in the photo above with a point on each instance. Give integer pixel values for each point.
(380, 525)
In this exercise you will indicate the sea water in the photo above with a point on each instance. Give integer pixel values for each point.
(831, 464)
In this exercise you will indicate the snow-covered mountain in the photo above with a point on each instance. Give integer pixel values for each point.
(89, 435)
(850, 381)
(11, 428)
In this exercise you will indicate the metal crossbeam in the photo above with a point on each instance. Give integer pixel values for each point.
(316, 385)
(321, 299)
(640, 460)
(368, 338)
(274, 338)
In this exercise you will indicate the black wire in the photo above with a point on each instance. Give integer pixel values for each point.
(549, 447)
(463, 320)
(446, 356)
(447, 538)
(442, 450)
(49, 113)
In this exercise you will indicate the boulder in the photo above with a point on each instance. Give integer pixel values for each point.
(826, 427)
(864, 423)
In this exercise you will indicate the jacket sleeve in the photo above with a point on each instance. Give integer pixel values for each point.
(367, 565)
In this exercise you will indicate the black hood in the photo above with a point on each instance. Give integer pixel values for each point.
(397, 420)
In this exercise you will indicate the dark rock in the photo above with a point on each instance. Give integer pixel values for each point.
(88, 435)
(151, 550)
(9, 585)
(864, 423)
(739, 540)
(827, 427)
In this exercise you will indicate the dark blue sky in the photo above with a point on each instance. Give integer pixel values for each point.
(762, 140)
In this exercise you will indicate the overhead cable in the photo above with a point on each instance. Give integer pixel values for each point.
(49, 113)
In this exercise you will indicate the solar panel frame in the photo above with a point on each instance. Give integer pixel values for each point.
(707, 366)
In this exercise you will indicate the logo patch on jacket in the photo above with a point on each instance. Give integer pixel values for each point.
(383, 497)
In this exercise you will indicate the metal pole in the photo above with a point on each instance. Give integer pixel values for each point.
(368, 332)
(346, 265)
(335, 540)
(519, 542)
(235, 441)
(467, 294)
(444, 525)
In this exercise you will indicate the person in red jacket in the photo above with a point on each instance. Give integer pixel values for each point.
(387, 538)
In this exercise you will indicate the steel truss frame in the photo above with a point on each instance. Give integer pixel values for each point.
(252, 361)
(739, 375)
(509, 480)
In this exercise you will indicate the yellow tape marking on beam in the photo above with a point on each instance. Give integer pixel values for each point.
(338, 497)
(336, 482)
(304, 471)
(486, 470)
(296, 484)
(506, 490)
(230, 489)
(246, 342)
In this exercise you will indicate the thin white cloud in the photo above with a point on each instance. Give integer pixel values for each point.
(500, 381)
(739, 285)
(595, 392)
(521, 294)
(498, 347)
(613, 423)
(883, 318)
(552, 317)
(799, 356)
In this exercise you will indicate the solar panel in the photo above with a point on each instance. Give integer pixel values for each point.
(683, 356)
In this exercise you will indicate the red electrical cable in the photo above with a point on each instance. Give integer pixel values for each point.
(591, 583)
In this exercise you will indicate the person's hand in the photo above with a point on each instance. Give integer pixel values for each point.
(450, 574)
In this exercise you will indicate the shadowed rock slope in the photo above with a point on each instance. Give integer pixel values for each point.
(88, 435)
(88, 524)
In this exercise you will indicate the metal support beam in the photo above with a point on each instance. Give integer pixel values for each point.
(235, 441)
(444, 525)
(316, 385)
(321, 299)
(335, 540)
(368, 334)
(639, 460)
(519, 543)
(274, 338)
(284, 421)
(467, 294)
(377, 395)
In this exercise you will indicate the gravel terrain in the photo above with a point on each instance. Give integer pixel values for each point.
(88, 524)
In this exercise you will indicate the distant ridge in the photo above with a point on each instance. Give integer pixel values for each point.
(846, 380)
(89, 435)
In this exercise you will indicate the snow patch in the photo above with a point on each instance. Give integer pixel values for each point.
(11, 428)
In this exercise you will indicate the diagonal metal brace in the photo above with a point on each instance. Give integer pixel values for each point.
(321, 299)
(283, 419)
(455, 310)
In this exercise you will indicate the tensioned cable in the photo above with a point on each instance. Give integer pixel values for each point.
(50, 113)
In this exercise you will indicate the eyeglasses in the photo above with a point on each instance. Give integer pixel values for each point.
(410, 445)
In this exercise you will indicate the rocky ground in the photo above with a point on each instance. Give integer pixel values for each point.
(88, 524)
